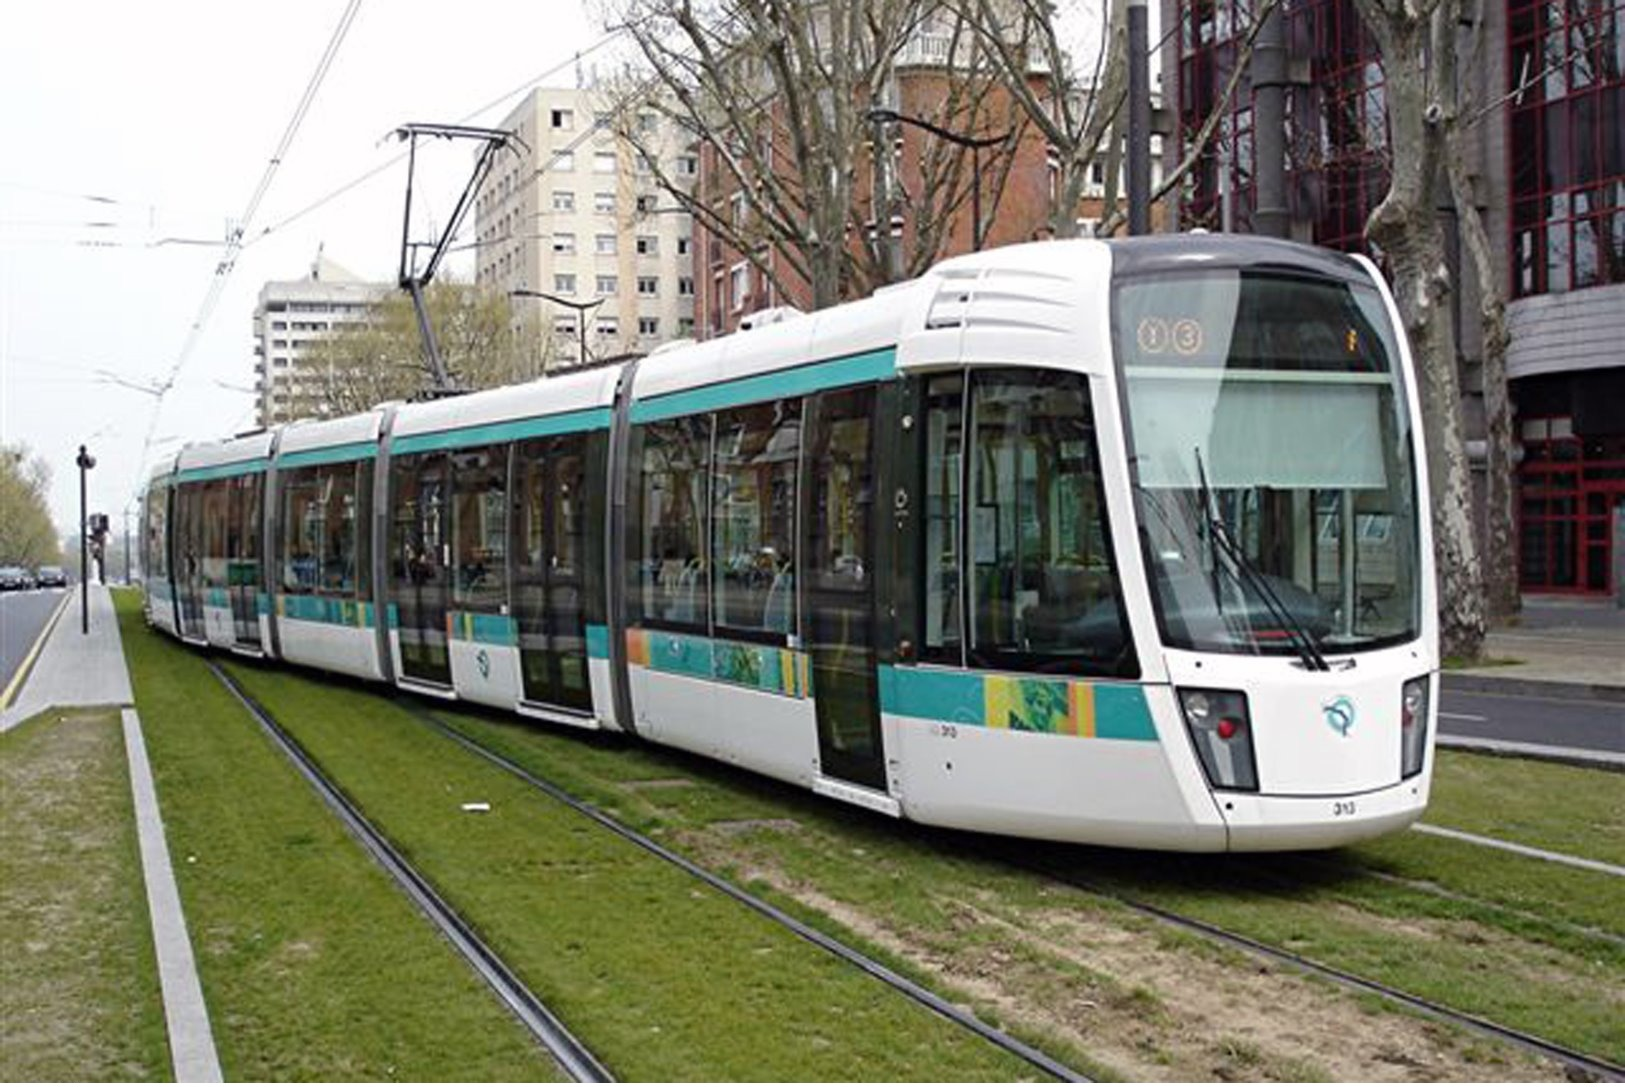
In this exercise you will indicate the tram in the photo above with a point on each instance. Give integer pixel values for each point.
(1121, 542)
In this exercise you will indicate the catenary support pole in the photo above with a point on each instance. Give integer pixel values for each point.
(1139, 120)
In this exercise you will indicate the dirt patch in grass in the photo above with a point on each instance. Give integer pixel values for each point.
(78, 985)
(1149, 1008)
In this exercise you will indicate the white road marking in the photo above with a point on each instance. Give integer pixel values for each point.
(1463, 716)
(1527, 851)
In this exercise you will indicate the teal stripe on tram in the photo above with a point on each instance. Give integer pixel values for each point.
(797, 381)
(597, 642)
(940, 696)
(1121, 713)
(219, 599)
(569, 422)
(223, 471)
(322, 609)
(331, 454)
(472, 626)
(1073, 707)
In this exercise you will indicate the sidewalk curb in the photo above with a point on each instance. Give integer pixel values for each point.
(1478, 683)
(1569, 756)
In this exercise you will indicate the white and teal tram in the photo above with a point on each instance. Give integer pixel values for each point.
(1118, 542)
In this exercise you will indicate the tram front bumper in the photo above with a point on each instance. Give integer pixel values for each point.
(1265, 823)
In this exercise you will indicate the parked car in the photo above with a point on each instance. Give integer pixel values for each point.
(15, 577)
(51, 577)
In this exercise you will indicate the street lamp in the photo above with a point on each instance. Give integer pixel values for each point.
(975, 143)
(581, 309)
(86, 462)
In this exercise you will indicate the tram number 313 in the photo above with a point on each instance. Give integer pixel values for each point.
(1342, 807)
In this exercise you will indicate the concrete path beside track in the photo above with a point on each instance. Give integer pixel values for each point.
(79, 669)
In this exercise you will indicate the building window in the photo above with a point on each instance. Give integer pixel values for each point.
(564, 201)
(563, 162)
(648, 245)
(646, 122)
(604, 245)
(564, 119)
(603, 203)
(564, 243)
(739, 286)
(603, 162)
(564, 326)
(684, 245)
(688, 165)
(685, 327)
(648, 286)
(1567, 229)
(648, 203)
(564, 283)
(608, 285)
(648, 326)
(685, 286)
(607, 326)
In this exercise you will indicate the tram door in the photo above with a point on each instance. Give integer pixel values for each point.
(550, 552)
(838, 520)
(419, 560)
(243, 555)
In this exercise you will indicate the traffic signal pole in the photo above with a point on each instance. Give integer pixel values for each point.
(86, 462)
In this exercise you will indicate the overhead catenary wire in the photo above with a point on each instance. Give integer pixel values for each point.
(233, 244)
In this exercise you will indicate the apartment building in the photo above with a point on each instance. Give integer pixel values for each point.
(572, 223)
(289, 317)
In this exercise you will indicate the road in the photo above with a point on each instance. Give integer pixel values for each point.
(1554, 722)
(22, 617)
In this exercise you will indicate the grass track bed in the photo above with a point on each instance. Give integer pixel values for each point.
(1566, 809)
(79, 995)
(313, 965)
(661, 976)
(950, 907)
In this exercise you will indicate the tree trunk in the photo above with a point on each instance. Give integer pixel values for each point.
(1405, 226)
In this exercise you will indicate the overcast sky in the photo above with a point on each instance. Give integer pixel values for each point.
(133, 130)
(168, 113)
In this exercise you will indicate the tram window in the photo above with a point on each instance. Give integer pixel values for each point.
(339, 519)
(753, 502)
(216, 498)
(480, 527)
(157, 556)
(667, 546)
(942, 639)
(1043, 584)
(302, 530)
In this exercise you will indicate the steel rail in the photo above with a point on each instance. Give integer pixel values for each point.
(575, 1058)
(1594, 1067)
(909, 988)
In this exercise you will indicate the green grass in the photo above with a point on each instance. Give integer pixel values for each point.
(1517, 940)
(79, 995)
(661, 976)
(314, 966)
(1547, 805)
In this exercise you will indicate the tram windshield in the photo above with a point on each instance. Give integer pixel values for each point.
(1275, 480)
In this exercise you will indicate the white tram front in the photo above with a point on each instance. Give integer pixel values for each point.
(1116, 542)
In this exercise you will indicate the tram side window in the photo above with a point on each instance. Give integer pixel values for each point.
(157, 555)
(1043, 583)
(340, 519)
(667, 546)
(302, 529)
(942, 639)
(216, 515)
(480, 527)
(753, 502)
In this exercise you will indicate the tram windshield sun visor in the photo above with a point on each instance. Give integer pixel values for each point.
(1273, 461)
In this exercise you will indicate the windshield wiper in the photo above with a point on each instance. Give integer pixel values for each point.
(1219, 533)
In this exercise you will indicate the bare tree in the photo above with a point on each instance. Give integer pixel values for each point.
(381, 358)
(1418, 50)
(26, 533)
(1500, 551)
(777, 93)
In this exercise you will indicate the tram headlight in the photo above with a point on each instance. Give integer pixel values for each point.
(1413, 726)
(1222, 734)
